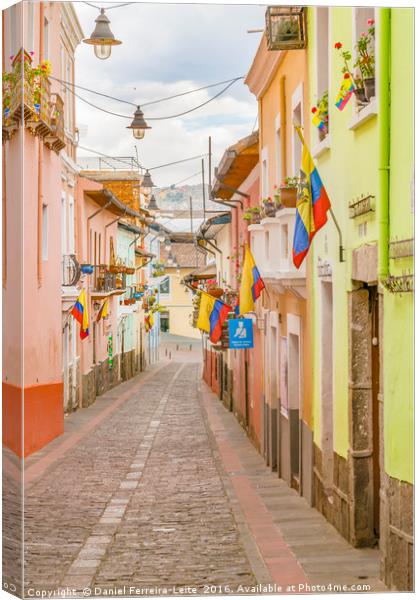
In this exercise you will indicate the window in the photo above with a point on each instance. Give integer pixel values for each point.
(46, 39)
(322, 54)
(165, 286)
(44, 232)
(63, 223)
(361, 17)
(297, 119)
(71, 225)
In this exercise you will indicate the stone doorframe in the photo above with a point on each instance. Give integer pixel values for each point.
(360, 454)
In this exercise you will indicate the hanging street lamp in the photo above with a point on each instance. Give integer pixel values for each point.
(147, 183)
(170, 260)
(152, 204)
(102, 39)
(138, 124)
(168, 244)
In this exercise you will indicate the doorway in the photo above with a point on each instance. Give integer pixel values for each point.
(294, 405)
(274, 400)
(327, 370)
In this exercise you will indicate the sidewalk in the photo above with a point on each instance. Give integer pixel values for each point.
(295, 542)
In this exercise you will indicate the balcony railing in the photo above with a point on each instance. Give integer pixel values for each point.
(27, 97)
(105, 282)
(70, 270)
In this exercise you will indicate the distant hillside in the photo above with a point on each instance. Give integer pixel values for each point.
(178, 198)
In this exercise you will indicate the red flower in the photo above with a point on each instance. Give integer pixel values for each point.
(370, 22)
(338, 45)
(314, 109)
(346, 75)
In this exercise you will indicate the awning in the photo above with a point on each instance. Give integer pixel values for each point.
(207, 272)
(107, 198)
(211, 227)
(235, 166)
(141, 252)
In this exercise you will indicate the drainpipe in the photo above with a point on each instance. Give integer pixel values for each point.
(384, 141)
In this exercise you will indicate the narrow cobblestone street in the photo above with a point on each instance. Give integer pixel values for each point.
(156, 485)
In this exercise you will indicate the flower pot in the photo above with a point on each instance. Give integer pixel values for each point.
(215, 292)
(360, 97)
(86, 269)
(270, 209)
(114, 269)
(130, 270)
(369, 84)
(288, 197)
(127, 301)
(255, 219)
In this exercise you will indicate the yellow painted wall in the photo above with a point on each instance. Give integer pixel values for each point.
(179, 305)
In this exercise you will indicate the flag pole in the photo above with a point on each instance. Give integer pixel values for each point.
(340, 235)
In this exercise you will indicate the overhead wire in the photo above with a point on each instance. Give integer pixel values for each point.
(142, 104)
(110, 112)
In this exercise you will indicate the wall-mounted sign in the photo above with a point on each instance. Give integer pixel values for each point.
(241, 334)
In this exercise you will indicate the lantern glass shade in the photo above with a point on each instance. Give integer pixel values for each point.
(161, 237)
(147, 183)
(138, 133)
(168, 244)
(102, 39)
(102, 51)
(285, 27)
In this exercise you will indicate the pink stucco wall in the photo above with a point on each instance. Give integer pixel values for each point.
(85, 207)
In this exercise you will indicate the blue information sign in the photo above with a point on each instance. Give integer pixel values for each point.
(241, 334)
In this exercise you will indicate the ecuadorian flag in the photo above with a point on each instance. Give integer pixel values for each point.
(344, 93)
(311, 208)
(80, 313)
(251, 284)
(213, 313)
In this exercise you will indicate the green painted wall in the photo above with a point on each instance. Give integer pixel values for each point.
(349, 169)
(399, 309)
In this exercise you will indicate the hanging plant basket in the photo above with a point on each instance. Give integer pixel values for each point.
(130, 270)
(114, 268)
(127, 301)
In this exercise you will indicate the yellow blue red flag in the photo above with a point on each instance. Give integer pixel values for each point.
(251, 284)
(80, 313)
(103, 311)
(311, 207)
(212, 314)
(344, 93)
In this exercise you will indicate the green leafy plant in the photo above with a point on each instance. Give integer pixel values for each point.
(365, 48)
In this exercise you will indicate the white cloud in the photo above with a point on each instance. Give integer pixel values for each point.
(168, 49)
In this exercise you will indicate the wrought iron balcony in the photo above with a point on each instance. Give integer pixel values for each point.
(55, 136)
(106, 283)
(70, 270)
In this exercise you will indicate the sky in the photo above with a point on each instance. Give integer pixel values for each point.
(168, 49)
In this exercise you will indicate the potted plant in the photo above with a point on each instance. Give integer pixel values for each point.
(127, 301)
(269, 207)
(288, 192)
(365, 61)
(357, 81)
(247, 215)
(255, 215)
(214, 290)
(130, 270)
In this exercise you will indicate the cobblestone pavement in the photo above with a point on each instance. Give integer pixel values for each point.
(156, 487)
(138, 501)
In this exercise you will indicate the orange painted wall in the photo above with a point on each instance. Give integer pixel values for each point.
(42, 419)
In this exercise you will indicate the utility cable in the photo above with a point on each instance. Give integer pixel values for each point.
(85, 89)
(110, 112)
